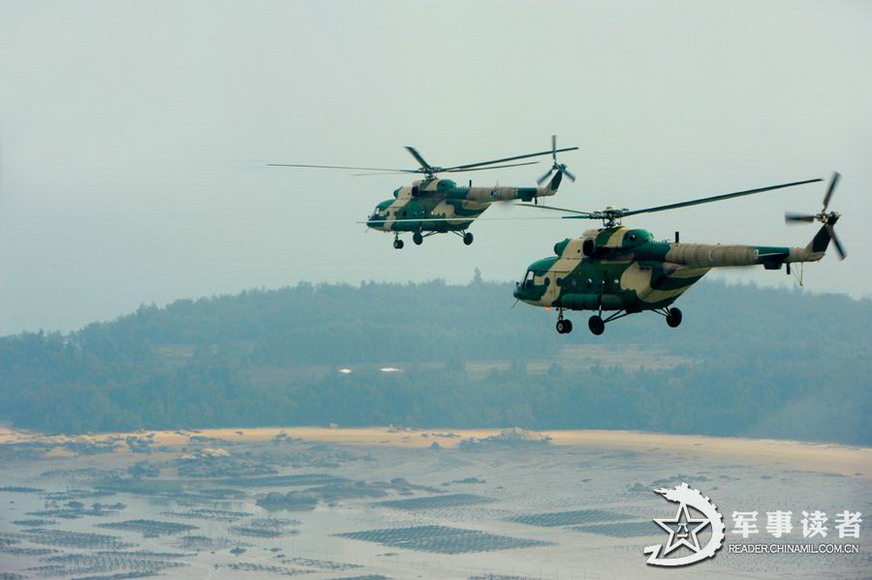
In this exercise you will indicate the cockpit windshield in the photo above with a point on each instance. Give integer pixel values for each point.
(528, 279)
(381, 210)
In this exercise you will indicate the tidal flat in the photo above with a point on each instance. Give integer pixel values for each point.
(387, 502)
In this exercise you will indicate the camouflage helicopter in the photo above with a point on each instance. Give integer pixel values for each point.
(435, 206)
(625, 271)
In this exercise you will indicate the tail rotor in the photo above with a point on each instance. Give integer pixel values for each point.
(828, 219)
(558, 167)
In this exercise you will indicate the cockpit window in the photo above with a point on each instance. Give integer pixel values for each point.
(528, 279)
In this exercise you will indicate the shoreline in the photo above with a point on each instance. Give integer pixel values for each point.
(805, 456)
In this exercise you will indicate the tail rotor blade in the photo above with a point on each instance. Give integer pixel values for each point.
(840, 250)
(555, 166)
(798, 217)
(544, 178)
(832, 188)
(827, 219)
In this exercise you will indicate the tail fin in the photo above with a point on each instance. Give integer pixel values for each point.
(821, 240)
(554, 184)
(825, 235)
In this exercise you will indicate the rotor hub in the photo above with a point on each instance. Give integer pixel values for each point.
(828, 218)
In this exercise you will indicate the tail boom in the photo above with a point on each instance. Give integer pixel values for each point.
(725, 256)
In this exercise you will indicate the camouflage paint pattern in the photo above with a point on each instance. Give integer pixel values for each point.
(439, 205)
(619, 268)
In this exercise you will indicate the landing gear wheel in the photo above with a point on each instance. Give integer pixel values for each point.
(596, 325)
(417, 238)
(467, 238)
(564, 326)
(673, 317)
(398, 244)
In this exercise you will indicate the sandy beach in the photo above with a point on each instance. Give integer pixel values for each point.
(797, 455)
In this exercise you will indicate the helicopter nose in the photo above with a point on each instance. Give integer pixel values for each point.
(374, 221)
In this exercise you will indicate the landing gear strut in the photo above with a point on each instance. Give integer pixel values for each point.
(563, 326)
(597, 324)
(672, 315)
(467, 237)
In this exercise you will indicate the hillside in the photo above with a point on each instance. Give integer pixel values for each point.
(746, 361)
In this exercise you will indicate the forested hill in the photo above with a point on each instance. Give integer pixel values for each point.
(746, 362)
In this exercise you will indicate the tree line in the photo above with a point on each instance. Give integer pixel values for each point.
(755, 362)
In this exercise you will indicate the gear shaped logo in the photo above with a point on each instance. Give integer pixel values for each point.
(686, 528)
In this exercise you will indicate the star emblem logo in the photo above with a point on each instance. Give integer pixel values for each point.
(695, 514)
(682, 530)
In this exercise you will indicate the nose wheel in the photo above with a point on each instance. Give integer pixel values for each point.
(398, 243)
(564, 326)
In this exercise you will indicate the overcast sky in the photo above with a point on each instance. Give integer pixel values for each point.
(134, 135)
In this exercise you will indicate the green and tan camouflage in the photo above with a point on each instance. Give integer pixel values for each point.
(625, 271)
(434, 205)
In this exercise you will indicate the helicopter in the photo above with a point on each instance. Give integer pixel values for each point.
(625, 271)
(434, 206)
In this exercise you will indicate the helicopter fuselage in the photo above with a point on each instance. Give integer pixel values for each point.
(623, 269)
(440, 205)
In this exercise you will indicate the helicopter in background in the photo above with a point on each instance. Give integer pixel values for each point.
(625, 271)
(436, 206)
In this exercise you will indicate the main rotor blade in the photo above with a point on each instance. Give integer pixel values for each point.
(418, 157)
(453, 170)
(393, 172)
(342, 167)
(563, 209)
(486, 168)
(833, 182)
(516, 157)
(460, 219)
(839, 248)
(798, 217)
(717, 197)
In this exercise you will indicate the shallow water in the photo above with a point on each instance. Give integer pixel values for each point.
(528, 512)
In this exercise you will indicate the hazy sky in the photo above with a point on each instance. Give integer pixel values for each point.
(134, 135)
